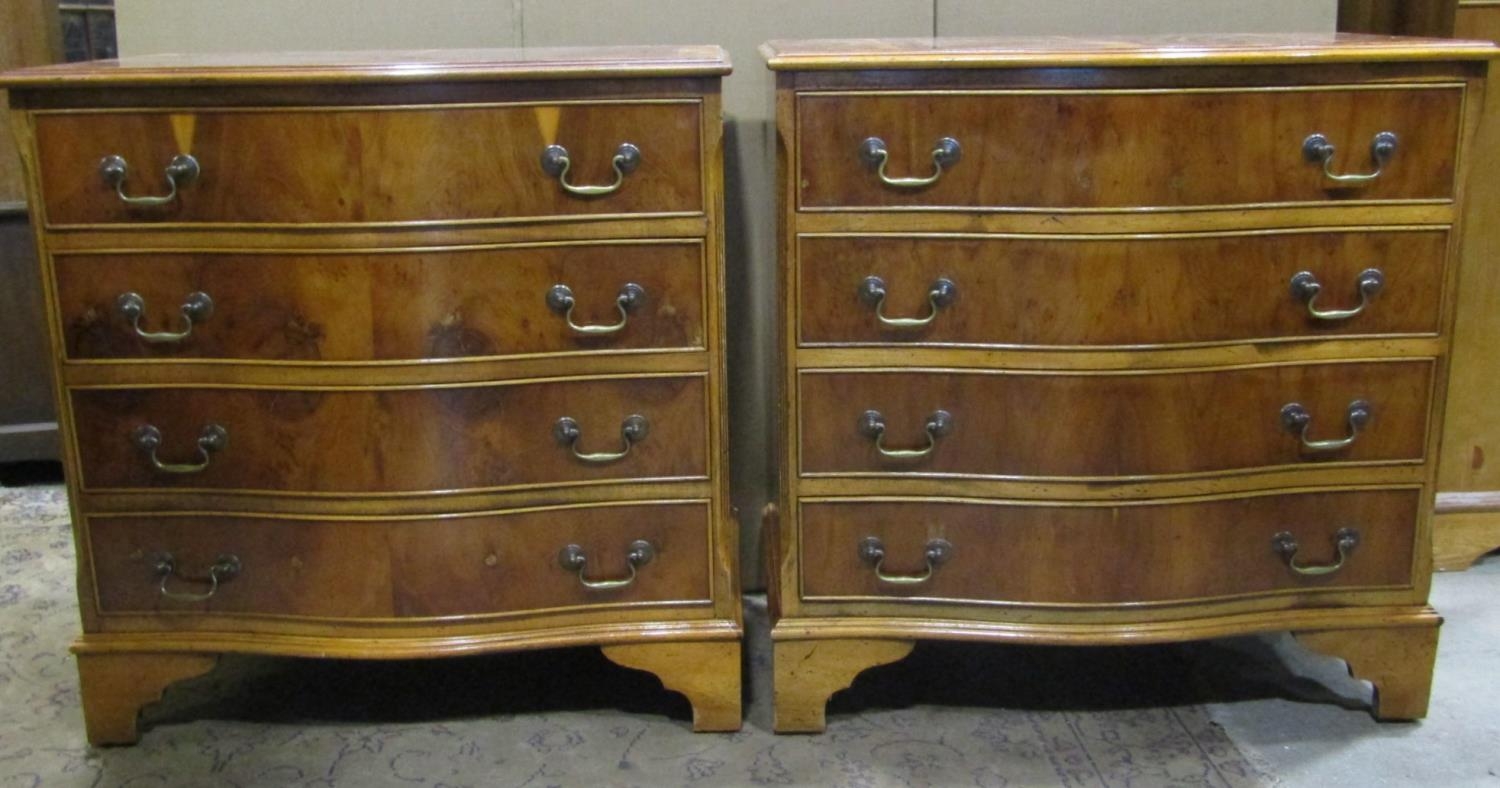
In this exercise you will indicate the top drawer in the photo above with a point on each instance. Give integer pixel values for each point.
(1124, 148)
(373, 165)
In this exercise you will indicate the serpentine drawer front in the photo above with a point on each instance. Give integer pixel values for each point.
(1072, 290)
(1065, 555)
(393, 355)
(470, 566)
(427, 439)
(1102, 425)
(1113, 341)
(432, 163)
(1113, 149)
(506, 301)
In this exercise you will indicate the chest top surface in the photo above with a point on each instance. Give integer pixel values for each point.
(395, 66)
(1070, 51)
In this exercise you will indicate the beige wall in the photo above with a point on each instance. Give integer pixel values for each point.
(1130, 17)
(155, 26)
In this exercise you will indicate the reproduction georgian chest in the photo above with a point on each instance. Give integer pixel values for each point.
(411, 356)
(1109, 341)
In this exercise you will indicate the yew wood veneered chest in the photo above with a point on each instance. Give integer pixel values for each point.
(1114, 341)
(391, 356)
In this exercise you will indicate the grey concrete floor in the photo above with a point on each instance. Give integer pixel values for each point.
(1329, 739)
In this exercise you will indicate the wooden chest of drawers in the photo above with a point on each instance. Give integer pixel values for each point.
(412, 357)
(1091, 342)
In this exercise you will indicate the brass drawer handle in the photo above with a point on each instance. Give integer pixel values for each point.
(556, 162)
(872, 425)
(180, 171)
(1305, 288)
(872, 551)
(632, 431)
(1345, 539)
(1317, 149)
(225, 568)
(560, 299)
(945, 153)
(941, 294)
(1296, 419)
(574, 559)
(196, 308)
(147, 438)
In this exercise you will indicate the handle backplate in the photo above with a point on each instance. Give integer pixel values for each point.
(225, 568)
(556, 162)
(147, 439)
(938, 424)
(936, 552)
(1344, 540)
(574, 559)
(945, 153)
(633, 430)
(1318, 149)
(942, 293)
(1305, 288)
(1296, 419)
(560, 299)
(196, 308)
(183, 169)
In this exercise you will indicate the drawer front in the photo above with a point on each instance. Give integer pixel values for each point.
(1082, 291)
(429, 568)
(367, 165)
(1103, 555)
(1105, 425)
(393, 440)
(1120, 149)
(403, 305)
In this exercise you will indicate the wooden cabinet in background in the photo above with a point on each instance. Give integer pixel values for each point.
(1466, 524)
(1110, 342)
(29, 36)
(1468, 502)
(390, 358)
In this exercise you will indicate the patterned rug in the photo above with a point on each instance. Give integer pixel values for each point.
(1072, 717)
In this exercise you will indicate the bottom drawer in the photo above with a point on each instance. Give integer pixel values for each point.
(445, 566)
(1106, 553)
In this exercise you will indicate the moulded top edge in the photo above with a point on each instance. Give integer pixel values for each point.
(396, 66)
(1072, 51)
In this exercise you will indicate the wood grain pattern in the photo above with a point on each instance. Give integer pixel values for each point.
(115, 687)
(1110, 426)
(707, 673)
(998, 52)
(385, 306)
(376, 67)
(1146, 290)
(808, 673)
(1124, 210)
(1398, 661)
(393, 440)
(1116, 150)
(1459, 539)
(466, 566)
(371, 166)
(1026, 553)
(402, 202)
(1470, 459)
